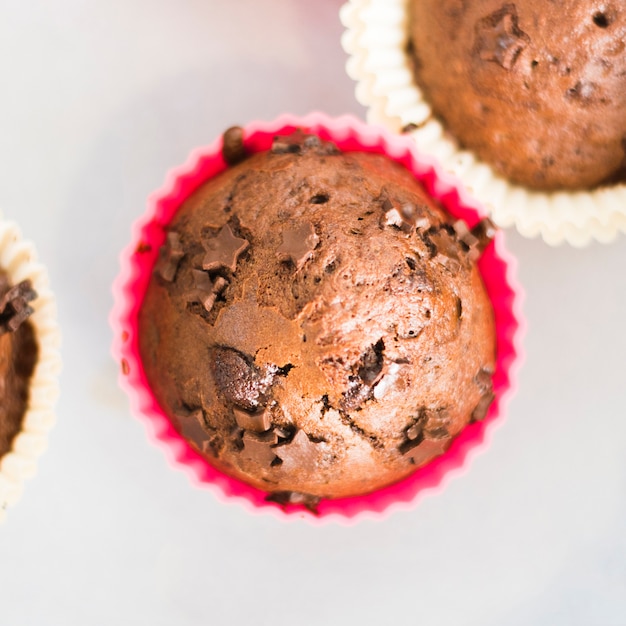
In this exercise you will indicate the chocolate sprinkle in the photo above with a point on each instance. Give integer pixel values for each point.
(223, 250)
(298, 244)
(499, 38)
(14, 307)
(205, 290)
(233, 149)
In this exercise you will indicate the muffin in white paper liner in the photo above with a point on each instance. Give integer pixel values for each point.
(19, 260)
(376, 38)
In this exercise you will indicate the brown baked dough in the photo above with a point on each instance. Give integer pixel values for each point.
(315, 326)
(536, 89)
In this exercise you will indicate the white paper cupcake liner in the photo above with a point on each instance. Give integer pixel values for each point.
(376, 39)
(19, 259)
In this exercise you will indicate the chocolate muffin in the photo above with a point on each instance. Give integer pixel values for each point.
(536, 89)
(18, 356)
(316, 325)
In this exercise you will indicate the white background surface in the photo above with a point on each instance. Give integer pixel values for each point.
(98, 100)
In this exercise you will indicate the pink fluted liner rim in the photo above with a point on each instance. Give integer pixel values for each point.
(497, 266)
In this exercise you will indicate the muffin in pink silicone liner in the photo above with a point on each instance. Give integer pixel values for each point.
(313, 320)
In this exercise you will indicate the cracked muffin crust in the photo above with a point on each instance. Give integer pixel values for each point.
(535, 89)
(315, 325)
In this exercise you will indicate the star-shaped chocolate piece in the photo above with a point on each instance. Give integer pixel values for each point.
(257, 421)
(14, 307)
(444, 248)
(300, 452)
(499, 38)
(223, 250)
(257, 447)
(205, 290)
(298, 244)
(170, 256)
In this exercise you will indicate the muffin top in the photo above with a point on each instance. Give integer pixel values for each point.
(536, 89)
(18, 355)
(316, 325)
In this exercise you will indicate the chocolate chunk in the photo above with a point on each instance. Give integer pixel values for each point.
(482, 408)
(414, 431)
(499, 38)
(484, 231)
(205, 290)
(485, 383)
(291, 144)
(300, 452)
(285, 498)
(233, 149)
(193, 427)
(240, 381)
(464, 234)
(483, 378)
(426, 449)
(437, 423)
(14, 307)
(257, 447)
(170, 255)
(298, 244)
(299, 142)
(257, 421)
(371, 364)
(223, 250)
(430, 424)
(445, 247)
(399, 215)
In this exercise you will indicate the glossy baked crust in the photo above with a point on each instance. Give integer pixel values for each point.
(315, 325)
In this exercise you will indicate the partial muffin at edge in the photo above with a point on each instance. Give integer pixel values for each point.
(535, 89)
(18, 357)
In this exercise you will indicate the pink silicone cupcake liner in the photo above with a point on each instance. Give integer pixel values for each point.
(496, 265)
